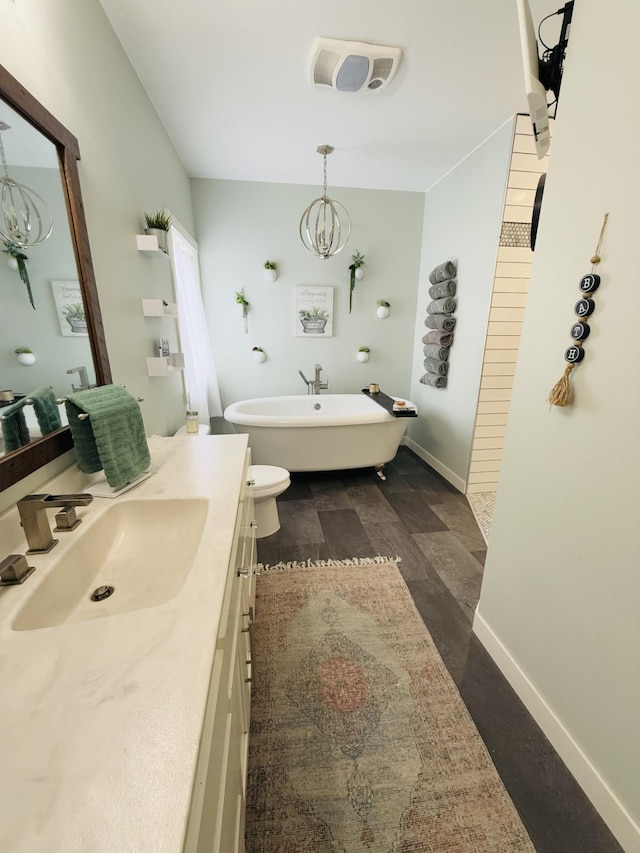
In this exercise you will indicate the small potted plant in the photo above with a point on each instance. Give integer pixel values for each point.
(75, 317)
(382, 311)
(157, 224)
(258, 354)
(270, 271)
(313, 320)
(363, 354)
(241, 300)
(356, 273)
(25, 355)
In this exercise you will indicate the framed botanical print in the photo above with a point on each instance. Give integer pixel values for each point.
(313, 311)
(70, 308)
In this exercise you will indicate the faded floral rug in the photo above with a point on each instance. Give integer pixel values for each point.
(360, 741)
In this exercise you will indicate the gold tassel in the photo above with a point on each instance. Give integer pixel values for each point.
(561, 392)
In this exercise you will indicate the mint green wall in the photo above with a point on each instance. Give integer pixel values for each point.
(463, 217)
(66, 54)
(242, 224)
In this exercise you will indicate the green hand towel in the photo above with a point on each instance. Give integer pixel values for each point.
(112, 437)
(46, 409)
(15, 432)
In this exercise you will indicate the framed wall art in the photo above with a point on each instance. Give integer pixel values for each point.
(70, 308)
(313, 311)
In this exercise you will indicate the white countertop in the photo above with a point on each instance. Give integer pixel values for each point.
(100, 720)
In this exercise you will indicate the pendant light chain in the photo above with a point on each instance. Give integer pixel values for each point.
(324, 173)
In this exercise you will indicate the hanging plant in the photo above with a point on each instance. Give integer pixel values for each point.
(25, 355)
(241, 299)
(270, 271)
(19, 258)
(355, 273)
(382, 311)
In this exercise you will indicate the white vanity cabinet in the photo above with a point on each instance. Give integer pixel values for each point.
(216, 821)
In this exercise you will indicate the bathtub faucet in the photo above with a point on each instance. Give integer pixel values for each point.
(319, 386)
(306, 381)
(316, 385)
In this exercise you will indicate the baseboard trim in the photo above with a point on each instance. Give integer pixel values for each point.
(612, 811)
(449, 476)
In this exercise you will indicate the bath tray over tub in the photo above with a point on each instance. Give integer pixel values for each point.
(387, 403)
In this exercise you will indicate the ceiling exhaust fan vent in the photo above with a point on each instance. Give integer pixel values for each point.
(351, 66)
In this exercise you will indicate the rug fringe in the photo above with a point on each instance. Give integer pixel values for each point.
(323, 564)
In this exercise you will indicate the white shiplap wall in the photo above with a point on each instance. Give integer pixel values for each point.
(508, 302)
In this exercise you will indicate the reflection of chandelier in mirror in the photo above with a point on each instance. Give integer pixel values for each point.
(325, 225)
(26, 220)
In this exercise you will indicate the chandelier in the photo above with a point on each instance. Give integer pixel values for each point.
(325, 225)
(26, 220)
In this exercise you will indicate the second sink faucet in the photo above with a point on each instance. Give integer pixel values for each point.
(33, 517)
(84, 378)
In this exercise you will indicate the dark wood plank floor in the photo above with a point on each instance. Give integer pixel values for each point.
(419, 517)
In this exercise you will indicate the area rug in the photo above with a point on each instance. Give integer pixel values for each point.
(360, 741)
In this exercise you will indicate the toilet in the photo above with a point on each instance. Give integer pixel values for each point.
(267, 482)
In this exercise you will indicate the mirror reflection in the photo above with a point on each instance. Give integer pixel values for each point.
(45, 351)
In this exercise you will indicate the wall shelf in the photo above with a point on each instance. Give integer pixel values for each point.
(165, 365)
(156, 308)
(148, 245)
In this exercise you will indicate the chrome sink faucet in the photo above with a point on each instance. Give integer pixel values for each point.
(33, 518)
(84, 378)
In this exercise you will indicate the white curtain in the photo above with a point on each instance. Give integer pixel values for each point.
(201, 382)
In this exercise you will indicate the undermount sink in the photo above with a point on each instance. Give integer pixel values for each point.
(142, 548)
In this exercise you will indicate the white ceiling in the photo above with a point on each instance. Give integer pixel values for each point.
(230, 82)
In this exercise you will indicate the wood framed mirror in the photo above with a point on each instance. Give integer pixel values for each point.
(21, 462)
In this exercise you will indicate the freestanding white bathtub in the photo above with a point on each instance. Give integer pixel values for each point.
(319, 432)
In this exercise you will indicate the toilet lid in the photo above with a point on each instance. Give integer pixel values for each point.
(268, 476)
